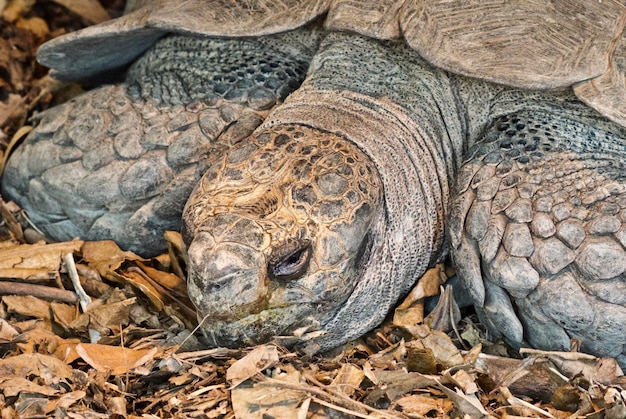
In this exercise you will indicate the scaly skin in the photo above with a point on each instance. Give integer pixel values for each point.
(316, 224)
(538, 228)
(120, 161)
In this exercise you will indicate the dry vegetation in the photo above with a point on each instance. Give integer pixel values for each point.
(89, 331)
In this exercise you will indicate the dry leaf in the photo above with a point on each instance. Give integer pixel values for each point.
(602, 370)
(7, 332)
(90, 10)
(468, 404)
(68, 399)
(421, 360)
(47, 343)
(261, 358)
(114, 359)
(395, 384)
(145, 286)
(348, 378)
(16, 8)
(36, 25)
(7, 209)
(29, 274)
(263, 400)
(411, 310)
(49, 368)
(28, 306)
(38, 256)
(63, 314)
(425, 405)
(105, 317)
(106, 257)
(446, 353)
(466, 381)
(169, 281)
(176, 252)
(389, 357)
(12, 386)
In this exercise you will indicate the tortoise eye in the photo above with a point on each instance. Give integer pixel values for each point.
(290, 261)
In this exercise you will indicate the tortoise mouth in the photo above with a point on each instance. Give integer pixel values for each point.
(258, 328)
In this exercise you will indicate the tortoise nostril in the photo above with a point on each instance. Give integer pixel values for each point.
(212, 288)
(289, 261)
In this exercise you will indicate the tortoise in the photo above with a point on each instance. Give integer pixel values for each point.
(319, 156)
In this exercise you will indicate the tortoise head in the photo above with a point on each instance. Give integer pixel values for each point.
(279, 232)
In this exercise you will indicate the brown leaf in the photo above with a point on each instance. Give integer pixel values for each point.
(395, 384)
(446, 353)
(466, 381)
(389, 357)
(44, 342)
(36, 25)
(267, 400)
(348, 378)
(602, 370)
(421, 360)
(68, 399)
(90, 10)
(148, 289)
(411, 310)
(17, 8)
(167, 280)
(7, 209)
(38, 256)
(12, 386)
(47, 367)
(28, 274)
(7, 332)
(114, 359)
(28, 306)
(106, 257)
(63, 314)
(425, 405)
(258, 360)
(105, 317)
(176, 253)
(469, 405)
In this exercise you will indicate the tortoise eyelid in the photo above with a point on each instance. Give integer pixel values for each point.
(290, 260)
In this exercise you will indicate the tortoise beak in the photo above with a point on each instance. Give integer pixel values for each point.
(227, 280)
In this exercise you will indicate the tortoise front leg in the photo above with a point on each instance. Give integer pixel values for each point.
(539, 230)
(120, 161)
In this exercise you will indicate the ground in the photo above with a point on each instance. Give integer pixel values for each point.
(88, 331)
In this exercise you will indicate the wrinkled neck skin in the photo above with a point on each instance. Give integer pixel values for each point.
(404, 115)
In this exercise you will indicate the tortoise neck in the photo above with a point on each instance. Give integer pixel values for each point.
(413, 175)
(391, 72)
(403, 114)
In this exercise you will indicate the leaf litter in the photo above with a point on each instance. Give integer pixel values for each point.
(90, 331)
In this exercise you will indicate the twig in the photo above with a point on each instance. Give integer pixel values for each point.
(514, 401)
(84, 299)
(39, 291)
(342, 409)
(326, 393)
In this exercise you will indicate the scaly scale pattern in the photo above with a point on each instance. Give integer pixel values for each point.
(542, 202)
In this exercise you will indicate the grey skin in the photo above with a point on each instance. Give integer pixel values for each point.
(313, 227)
